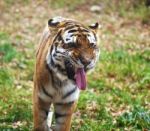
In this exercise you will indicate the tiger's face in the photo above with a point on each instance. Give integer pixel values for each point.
(81, 45)
(74, 46)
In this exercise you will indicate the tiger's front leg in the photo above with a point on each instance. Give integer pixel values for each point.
(40, 112)
(63, 116)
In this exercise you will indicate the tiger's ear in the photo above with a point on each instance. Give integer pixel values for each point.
(94, 26)
(55, 23)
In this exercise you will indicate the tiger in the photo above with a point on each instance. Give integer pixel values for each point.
(67, 50)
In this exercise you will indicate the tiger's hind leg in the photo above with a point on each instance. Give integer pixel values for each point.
(63, 115)
(40, 112)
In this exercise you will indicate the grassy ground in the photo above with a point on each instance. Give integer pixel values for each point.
(118, 95)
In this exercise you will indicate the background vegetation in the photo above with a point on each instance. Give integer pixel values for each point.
(118, 94)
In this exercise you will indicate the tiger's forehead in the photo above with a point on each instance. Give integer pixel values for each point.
(71, 30)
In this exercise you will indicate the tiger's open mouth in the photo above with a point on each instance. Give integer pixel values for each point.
(80, 78)
(77, 74)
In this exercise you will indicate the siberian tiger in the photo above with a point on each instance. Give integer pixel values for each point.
(67, 50)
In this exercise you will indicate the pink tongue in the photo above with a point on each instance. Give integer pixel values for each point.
(80, 78)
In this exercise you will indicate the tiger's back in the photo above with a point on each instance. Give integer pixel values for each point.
(67, 50)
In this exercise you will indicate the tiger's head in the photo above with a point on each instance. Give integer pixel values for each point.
(74, 48)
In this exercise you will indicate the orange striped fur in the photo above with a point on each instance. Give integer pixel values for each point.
(64, 46)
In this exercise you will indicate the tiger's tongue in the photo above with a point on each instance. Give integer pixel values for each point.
(80, 78)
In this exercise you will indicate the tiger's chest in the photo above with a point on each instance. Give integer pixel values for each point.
(67, 92)
(61, 92)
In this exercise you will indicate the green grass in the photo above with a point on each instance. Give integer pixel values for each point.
(15, 99)
(71, 5)
(138, 118)
(118, 95)
(5, 78)
(6, 49)
(12, 2)
(128, 90)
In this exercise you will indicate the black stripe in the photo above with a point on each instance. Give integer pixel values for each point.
(51, 48)
(84, 30)
(69, 93)
(66, 104)
(68, 23)
(50, 72)
(54, 81)
(56, 44)
(60, 52)
(57, 115)
(58, 58)
(69, 69)
(46, 93)
(95, 36)
(52, 61)
(69, 27)
(71, 31)
(58, 83)
(54, 55)
(58, 37)
(62, 70)
(78, 25)
(46, 111)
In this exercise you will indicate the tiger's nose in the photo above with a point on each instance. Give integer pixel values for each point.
(85, 61)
